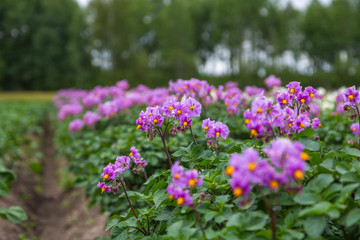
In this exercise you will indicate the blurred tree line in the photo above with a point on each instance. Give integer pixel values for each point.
(46, 45)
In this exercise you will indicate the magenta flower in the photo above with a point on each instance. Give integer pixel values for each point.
(192, 107)
(122, 163)
(76, 125)
(294, 88)
(109, 172)
(90, 118)
(284, 99)
(351, 96)
(135, 156)
(177, 172)
(207, 124)
(302, 122)
(303, 98)
(310, 91)
(219, 130)
(256, 128)
(315, 123)
(272, 81)
(182, 196)
(185, 121)
(156, 119)
(192, 179)
(104, 187)
(240, 185)
(355, 128)
(169, 108)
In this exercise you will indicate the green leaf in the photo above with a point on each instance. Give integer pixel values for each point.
(310, 144)
(350, 177)
(352, 152)
(112, 222)
(197, 152)
(174, 229)
(352, 217)
(159, 197)
(14, 214)
(318, 209)
(315, 225)
(307, 198)
(320, 182)
(255, 221)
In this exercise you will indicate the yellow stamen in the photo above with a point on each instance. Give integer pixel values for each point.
(302, 100)
(192, 108)
(185, 124)
(226, 104)
(311, 95)
(192, 182)
(139, 126)
(206, 128)
(253, 132)
(103, 189)
(179, 112)
(252, 166)
(354, 129)
(235, 104)
(198, 86)
(351, 97)
(302, 125)
(171, 108)
(274, 184)
(217, 134)
(247, 121)
(229, 170)
(130, 154)
(320, 125)
(298, 174)
(180, 201)
(292, 90)
(259, 110)
(304, 156)
(156, 121)
(106, 176)
(171, 197)
(290, 124)
(238, 192)
(284, 101)
(177, 176)
(150, 114)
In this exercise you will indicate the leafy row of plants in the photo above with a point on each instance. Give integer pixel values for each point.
(273, 165)
(18, 120)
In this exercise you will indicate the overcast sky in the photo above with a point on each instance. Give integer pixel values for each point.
(299, 4)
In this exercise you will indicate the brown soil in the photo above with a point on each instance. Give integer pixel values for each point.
(54, 213)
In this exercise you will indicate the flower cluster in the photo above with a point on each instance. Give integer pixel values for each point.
(183, 111)
(272, 81)
(355, 128)
(193, 88)
(138, 160)
(351, 97)
(290, 114)
(286, 165)
(112, 171)
(214, 131)
(182, 182)
(76, 125)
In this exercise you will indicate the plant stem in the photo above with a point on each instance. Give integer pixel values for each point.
(131, 206)
(358, 115)
(145, 175)
(127, 197)
(166, 150)
(193, 135)
(344, 232)
(199, 221)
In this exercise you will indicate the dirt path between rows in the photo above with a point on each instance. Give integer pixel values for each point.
(54, 213)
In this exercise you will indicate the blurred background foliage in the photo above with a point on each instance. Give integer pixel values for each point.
(47, 45)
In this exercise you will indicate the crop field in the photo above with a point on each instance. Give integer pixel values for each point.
(186, 161)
